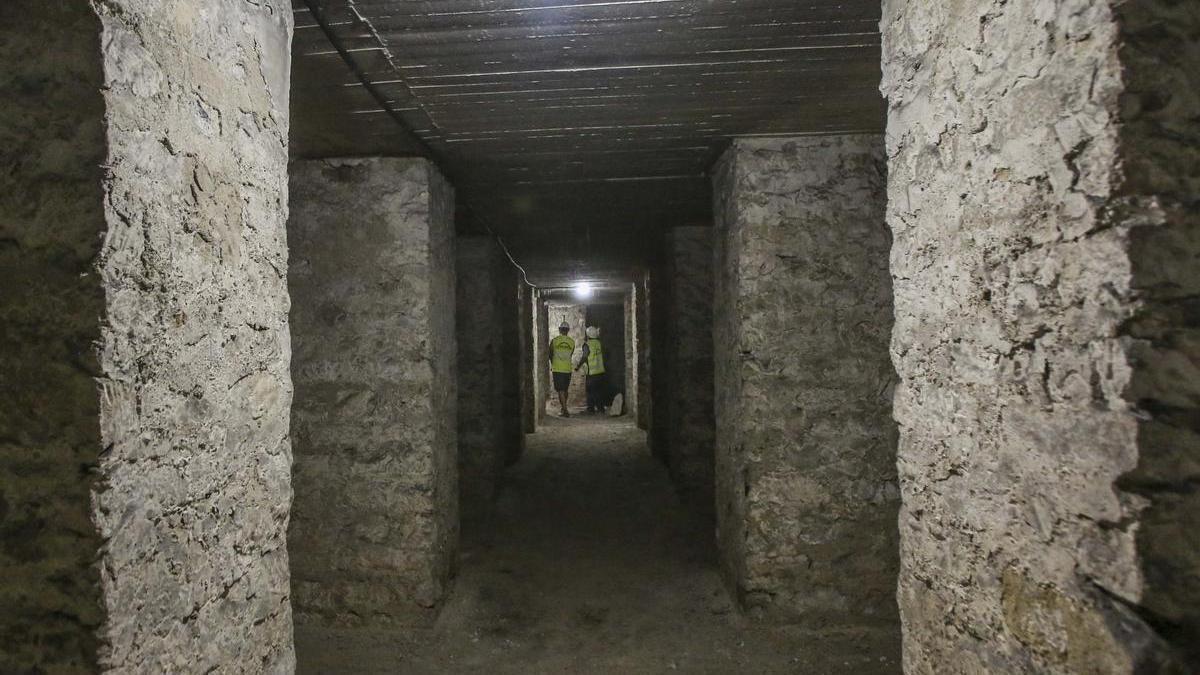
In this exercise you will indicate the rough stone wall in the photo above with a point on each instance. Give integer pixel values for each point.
(1160, 155)
(148, 415)
(659, 294)
(194, 494)
(631, 351)
(539, 365)
(688, 410)
(52, 146)
(486, 374)
(806, 478)
(526, 310)
(443, 348)
(1045, 228)
(374, 532)
(541, 361)
(512, 427)
(645, 401)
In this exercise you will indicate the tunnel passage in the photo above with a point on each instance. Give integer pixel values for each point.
(609, 315)
(1028, 257)
(592, 565)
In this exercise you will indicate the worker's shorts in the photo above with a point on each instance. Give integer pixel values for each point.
(562, 381)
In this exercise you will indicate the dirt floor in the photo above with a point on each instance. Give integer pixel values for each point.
(591, 566)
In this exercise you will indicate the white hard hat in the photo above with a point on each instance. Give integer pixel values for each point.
(593, 332)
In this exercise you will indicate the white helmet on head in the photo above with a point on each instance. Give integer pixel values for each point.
(593, 332)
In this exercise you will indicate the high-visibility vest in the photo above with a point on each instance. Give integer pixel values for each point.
(595, 357)
(561, 349)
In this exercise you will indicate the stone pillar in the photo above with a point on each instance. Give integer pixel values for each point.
(631, 351)
(661, 335)
(527, 311)
(645, 349)
(486, 374)
(375, 528)
(806, 484)
(144, 386)
(511, 425)
(541, 363)
(686, 364)
(1042, 196)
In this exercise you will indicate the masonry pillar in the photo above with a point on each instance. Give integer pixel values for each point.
(644, 351)
(512, 427)
(541, 363)
(144, 386)
(662, 336)
(686, 364)
(487, 374)
(526, 299)
(806, 484)
(375, 529)
(631, 351)
(1042, 196)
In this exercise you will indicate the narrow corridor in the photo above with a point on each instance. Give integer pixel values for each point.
(591, 565)
(901, 299)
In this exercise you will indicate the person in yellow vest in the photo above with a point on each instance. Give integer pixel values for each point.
(562, 348)
(597, 379)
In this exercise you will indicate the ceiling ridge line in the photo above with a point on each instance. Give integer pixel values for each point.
(318, 14)
(391, 61)
(427, 150)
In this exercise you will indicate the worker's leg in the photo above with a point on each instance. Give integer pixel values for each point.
(562, 384)
(593, 401)
(602, 393)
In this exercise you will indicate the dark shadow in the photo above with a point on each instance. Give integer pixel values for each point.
(52, 223)
(1160, 199)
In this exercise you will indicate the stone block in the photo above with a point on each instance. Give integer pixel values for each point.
(145, 485)
(645, 403)
(805, 470)
(1042, 200)
(684, 422)
(629, 310)
(375, 528)
(528, 347)
(489, 435)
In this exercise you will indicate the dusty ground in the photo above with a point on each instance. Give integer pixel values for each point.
(591, 566)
